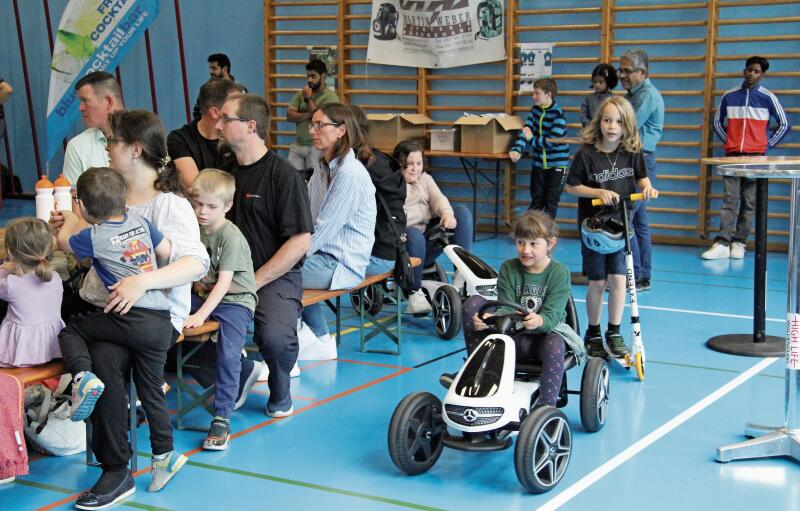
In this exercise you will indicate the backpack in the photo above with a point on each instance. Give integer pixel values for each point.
(48, 427)
(403, 271)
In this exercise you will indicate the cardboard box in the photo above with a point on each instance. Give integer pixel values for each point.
(491, 135)
(443, 139)
(386, 130)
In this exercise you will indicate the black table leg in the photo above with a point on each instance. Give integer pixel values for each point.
(757, 344)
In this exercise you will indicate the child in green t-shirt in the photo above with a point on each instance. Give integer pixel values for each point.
(227, 294)
(541, 285)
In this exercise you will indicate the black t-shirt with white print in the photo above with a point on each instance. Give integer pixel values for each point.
(270, 206)
(617, 171)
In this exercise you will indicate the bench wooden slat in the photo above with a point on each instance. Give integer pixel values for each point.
(35, 374)
(206, 328)
(311, 296)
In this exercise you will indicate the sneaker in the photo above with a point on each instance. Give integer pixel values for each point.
(92, 500)
(251, 380)
(218, 435)
(85, 393)
(594, 345)
(717, 251)
(264, 376)
(642, 285)
(8, 480)
(321, 348)
(164, 468)
(278, 414)
(616, 343)
(737, 250)
(417, 303)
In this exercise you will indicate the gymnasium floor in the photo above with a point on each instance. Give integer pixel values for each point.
(656, 451)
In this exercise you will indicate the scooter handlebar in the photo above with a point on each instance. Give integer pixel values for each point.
(631, 197)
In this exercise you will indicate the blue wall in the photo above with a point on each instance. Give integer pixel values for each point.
(209, 26)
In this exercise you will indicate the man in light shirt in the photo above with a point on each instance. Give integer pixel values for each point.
(99, 95)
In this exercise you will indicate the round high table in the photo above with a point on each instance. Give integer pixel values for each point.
(778, 441)
(760, 168)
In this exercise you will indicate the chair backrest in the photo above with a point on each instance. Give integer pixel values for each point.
(572, 316)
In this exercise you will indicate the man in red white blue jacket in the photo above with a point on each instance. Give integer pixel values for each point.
(742, 123)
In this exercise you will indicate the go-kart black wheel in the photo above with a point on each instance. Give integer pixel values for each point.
(543, 451)
(594, 394)
(373, 300)
(416, 433)
(447, 311)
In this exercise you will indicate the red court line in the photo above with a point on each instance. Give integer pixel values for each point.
(192, 452)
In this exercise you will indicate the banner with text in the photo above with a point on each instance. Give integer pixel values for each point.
(436, 33)
(93, 35)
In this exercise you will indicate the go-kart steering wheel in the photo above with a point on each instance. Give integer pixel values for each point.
(438, 235)
(503, 323)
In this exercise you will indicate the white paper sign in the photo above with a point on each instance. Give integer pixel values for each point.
(536, 61)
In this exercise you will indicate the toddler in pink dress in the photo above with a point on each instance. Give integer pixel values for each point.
(29, 332)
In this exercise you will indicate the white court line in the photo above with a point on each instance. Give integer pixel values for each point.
(601, 471)
(699, 313)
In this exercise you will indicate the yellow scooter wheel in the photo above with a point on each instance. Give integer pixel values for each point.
(638, 362)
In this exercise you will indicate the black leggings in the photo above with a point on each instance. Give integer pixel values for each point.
(548, 350)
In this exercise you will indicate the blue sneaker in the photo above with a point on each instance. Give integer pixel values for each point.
(85, 394)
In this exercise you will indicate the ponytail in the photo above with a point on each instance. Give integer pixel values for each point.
(44, 270)
(168, 179)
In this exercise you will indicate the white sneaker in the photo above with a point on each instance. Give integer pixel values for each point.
(417, 303)
(323, 348)
(717, 251)
(264, 376)
(737, 250)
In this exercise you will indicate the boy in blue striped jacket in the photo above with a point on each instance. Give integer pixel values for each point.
(544, 125)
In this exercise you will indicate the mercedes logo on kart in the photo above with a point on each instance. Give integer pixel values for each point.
(470, 415)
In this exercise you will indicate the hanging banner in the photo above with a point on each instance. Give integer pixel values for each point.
(436, 33)
(536, 61)
(93, 35)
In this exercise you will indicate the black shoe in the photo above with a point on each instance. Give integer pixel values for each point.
(91, 500)
(446, 379)
(616, 343)
(594, 345)
(642, 285)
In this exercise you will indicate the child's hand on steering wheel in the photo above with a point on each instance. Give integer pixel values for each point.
(478, 323)
(532, 321)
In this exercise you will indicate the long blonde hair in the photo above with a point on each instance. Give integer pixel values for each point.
(631, 142)
(29, 243)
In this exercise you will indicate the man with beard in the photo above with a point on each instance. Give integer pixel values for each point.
(194, 147)
(305, 102)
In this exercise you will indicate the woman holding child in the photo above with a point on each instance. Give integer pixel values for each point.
(138, 152)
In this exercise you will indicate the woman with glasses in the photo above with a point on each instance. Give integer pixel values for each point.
(137, 150)
(343, 207)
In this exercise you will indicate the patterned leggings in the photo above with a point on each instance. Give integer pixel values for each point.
(546, 349)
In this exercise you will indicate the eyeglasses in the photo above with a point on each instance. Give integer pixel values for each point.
(317, 126)
(627, 70)
(226, 119)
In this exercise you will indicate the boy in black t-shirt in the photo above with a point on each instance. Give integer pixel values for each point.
(610, 164)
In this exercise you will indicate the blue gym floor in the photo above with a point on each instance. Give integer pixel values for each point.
(655, 452)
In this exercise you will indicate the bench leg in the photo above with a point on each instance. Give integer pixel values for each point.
(197, 399)
(378, 327)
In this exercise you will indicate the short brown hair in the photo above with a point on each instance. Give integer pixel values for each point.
(214, 93)
(547, 85)
(253, 108)
(102, 192)
(216, 182)
(535, 224)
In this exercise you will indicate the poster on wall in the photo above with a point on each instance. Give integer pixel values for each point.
(93, 35)
(326, 54)
(536, 61)
(436, 33)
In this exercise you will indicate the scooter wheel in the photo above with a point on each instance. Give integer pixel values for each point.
(638, 362)
(446, 311)
(594, 395)
(416, 433)
(373, 300)
(543, 451)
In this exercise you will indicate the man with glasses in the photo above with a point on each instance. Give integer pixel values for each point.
(271, 208)
(649, 107)
(301, 108)
(99, 94)
(195, 146)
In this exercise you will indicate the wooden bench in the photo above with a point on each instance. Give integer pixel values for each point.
(198, 335)
(54, 369)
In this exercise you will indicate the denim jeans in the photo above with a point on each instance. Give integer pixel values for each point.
(733, 226)
(640, 243)
(417, 245)
(317, 274)
(303, 156)
(377, 265)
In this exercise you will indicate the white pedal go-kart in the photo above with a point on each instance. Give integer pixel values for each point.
(472, 277)
(491, 399)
